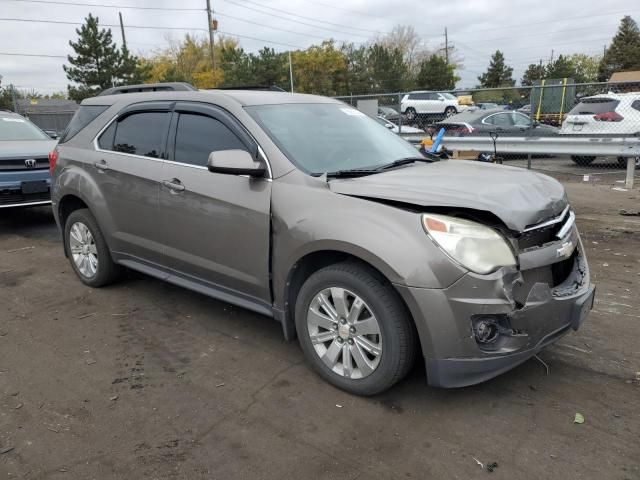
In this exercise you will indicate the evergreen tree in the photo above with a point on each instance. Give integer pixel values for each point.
(498, 74)
(533, 72)
(624, 51)
(388, 68)
(435, 74)
(98, 63)
(561, 68)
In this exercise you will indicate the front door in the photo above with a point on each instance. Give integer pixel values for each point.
(216, 227)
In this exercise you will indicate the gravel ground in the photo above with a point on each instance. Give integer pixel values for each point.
(146, 380)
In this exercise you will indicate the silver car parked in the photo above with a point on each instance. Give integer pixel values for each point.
(305, 210)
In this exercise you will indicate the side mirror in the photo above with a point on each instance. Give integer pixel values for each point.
(235, 162)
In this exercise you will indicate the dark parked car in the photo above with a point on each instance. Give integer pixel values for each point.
(369, 252)
(389, 113)
(24, 164)
(502, 121)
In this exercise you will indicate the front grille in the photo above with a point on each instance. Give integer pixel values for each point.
(547, 232)
(18, 164)
(11, 197)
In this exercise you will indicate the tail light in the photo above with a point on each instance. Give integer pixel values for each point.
(460, 131)
(53, 158)
(608, 117)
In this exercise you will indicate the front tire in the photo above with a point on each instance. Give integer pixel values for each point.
(582, 161)
(354, 330)
(449, 111)
(88, 251)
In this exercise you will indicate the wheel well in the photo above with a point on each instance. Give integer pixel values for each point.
(313, 262)
(67, 205)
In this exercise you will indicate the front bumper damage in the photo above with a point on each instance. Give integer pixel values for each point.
(530, 306)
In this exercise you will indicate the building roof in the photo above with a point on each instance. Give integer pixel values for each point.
(46, 105)
(628, 76)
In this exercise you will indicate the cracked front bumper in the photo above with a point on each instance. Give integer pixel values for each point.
(534, 311)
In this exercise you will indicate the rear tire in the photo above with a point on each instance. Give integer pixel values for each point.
(336, 306)
(450, 111)
(582, 161)
(88, 251)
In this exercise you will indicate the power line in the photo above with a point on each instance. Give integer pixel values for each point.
(308, 18)
(297, 21)
(61, 22)
(15, 54)
(104, 5)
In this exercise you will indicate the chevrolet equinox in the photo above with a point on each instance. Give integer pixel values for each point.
(305, 210)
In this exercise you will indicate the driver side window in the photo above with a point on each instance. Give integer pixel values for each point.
(199, 135)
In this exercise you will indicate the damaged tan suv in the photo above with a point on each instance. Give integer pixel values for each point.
(303, 209)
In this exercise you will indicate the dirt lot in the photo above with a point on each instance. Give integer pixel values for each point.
(146, 380)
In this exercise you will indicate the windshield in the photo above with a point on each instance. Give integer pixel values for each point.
(449, 96)
(328, 137)
(17, 128)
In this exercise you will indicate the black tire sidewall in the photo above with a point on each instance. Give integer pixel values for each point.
(387, 311)
(104, 271)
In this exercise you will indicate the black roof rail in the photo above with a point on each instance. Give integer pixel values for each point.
(150, 87)
(268, 88)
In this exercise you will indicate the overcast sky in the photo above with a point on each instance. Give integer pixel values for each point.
(525, 30)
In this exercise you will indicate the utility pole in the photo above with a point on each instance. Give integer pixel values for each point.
(13, 98)
(211, 38)
(124, 39)
(290, 72)
(541, 71)
(446, 46)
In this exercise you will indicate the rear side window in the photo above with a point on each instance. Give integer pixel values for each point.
(83, 117)
(140, 134)
(198, 135)
(636, 105)
(592, 106)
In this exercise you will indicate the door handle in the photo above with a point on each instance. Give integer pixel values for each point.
(174, 185)
(101, 165)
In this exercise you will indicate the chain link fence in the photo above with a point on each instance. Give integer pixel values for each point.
(601, 121)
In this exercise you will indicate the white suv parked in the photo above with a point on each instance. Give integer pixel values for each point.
(610, 113)
(420, 103)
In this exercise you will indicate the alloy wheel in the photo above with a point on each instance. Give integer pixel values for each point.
(84, 252)
(344, 332)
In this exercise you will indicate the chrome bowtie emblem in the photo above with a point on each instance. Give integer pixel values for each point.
(565, 250)
(30, 162)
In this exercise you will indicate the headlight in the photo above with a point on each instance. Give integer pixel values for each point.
(473, 245)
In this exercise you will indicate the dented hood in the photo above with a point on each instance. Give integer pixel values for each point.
(519, 197)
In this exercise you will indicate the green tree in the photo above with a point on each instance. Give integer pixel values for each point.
(388, 69)
(585, 67)
(435, 74)
(533, 72)
(320, 69)
(498, 74)
(98, 64)
(270, 68)
(561, 67)
(624, 51)
(358, 71)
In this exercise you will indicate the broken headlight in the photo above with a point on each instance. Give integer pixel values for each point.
(473, 245)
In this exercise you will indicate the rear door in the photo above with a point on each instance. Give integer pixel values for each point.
(216, 227)
(127, 169)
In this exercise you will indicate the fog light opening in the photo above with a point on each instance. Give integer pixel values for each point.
(486, 330)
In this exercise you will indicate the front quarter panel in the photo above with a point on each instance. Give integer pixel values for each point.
(308, 217)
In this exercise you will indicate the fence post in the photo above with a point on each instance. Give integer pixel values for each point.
(399, 113)
(631, 166)
(528, 161)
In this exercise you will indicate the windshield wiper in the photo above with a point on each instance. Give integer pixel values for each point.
(356, 172)
(404, 161)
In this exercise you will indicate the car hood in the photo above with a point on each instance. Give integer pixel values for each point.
(26, 148)
(519, 197)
